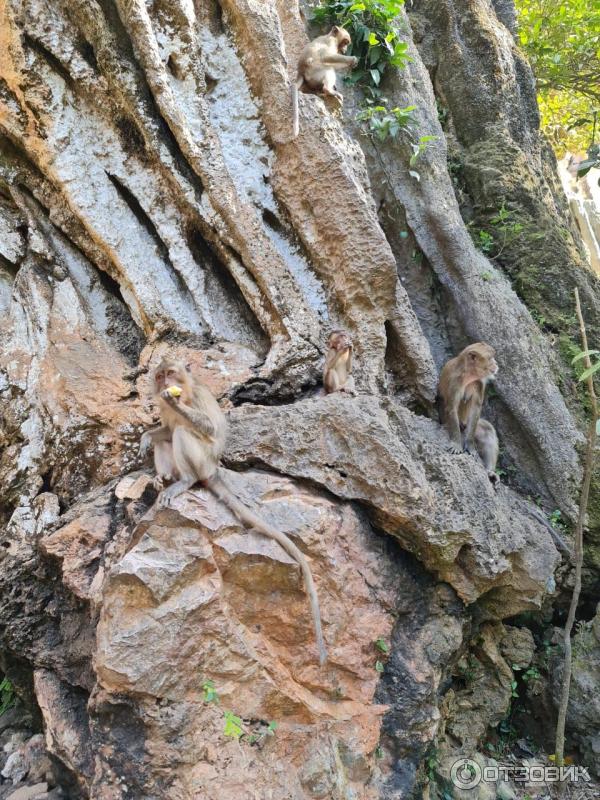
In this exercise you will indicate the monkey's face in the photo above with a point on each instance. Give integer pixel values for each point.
(340, 341)
(342, 38)
(169, 373)
(481, 361)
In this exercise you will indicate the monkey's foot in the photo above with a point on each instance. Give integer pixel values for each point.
(455, 450)
(494, 479)
(166, 497)
(160, 480)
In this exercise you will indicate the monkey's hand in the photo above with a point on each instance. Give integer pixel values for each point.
(455, 449)
(354, 62)
(168, 397)
(145, 444)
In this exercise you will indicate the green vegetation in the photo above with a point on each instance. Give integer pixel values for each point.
(377, 44)
(7, 696)
(384, 124)
(233, 726)
(562, 41)
(506, 229)
(588, 470)
(383, 653)
(592, 369)
(376, 40)
(210, 693)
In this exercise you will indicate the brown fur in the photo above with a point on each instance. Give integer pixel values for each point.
(317, 65)
(337, 370)
(461, 391)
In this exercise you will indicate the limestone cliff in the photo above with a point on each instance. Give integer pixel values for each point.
(152, 200)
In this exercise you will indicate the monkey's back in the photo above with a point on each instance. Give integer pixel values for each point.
(310, 65)
(204, 401)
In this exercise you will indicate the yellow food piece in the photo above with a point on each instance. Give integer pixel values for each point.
(174, 391)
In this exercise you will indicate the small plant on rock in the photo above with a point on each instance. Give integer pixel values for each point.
(7, 696)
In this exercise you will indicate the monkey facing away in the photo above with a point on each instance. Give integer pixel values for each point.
(337, 370)
(187, 448)
(317, 65)
(461, 391)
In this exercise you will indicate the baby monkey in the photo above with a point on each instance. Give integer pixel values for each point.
(461, 391)
(338, 364)
(317, 65)
(187, 448)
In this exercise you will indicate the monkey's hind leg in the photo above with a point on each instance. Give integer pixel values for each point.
(193, 461)
(486, 442)
(329, 88)
(164, 464)
(349, 387)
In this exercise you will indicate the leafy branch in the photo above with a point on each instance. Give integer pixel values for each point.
(588, 468)
(562, 41)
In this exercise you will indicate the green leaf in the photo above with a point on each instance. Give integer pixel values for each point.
(373, 39)
(382, 645)
(375, 76)
(233, 725)
(374, 55)
(590, 371)
(583, 354)
(210, 693)
(379, 666)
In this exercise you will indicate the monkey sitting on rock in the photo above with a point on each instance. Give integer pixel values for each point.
(187, 448)
(337, 370)
(317, 65)
(461, 391)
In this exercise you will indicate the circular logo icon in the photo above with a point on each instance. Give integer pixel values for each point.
(465, 773)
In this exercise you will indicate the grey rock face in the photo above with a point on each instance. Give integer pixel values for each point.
(153, 203)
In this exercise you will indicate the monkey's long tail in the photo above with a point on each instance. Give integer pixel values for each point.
(295, 112)
(249, 518)
(556, 537)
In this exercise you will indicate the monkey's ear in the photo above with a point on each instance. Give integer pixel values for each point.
(334, 31)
